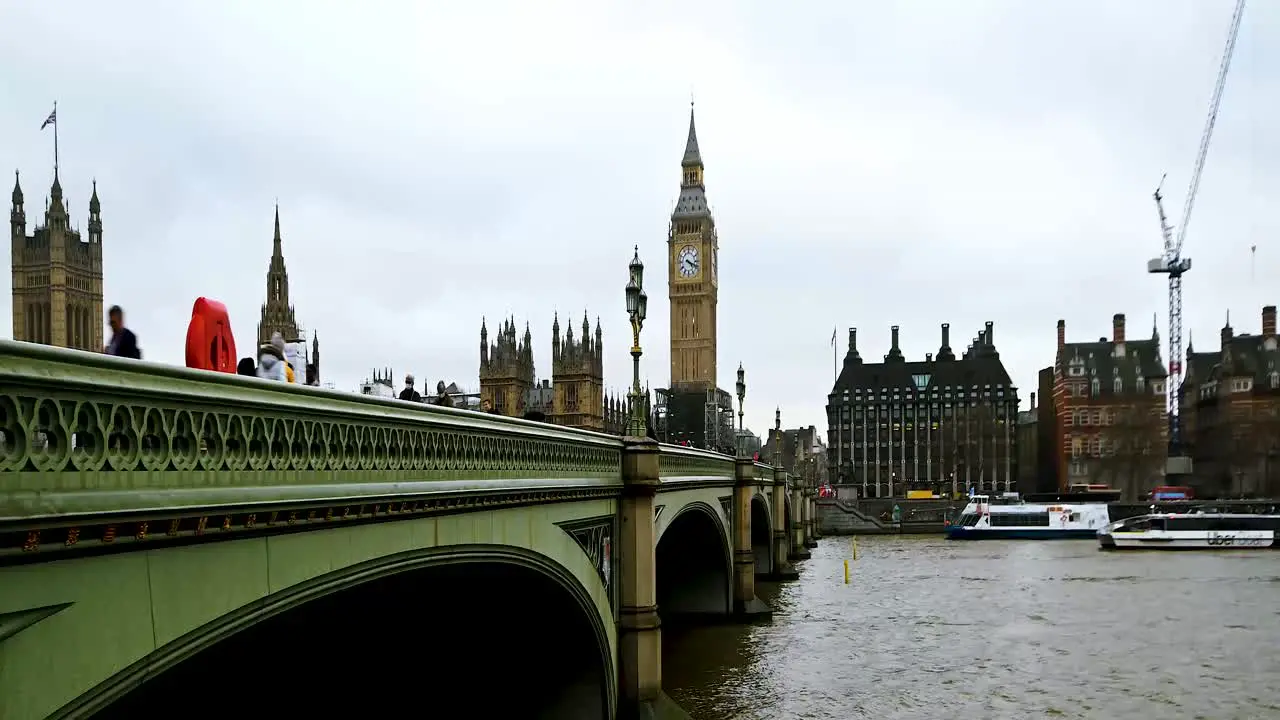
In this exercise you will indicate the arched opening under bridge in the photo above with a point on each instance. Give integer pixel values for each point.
(486, 635)
(761, 537)
(693, 565)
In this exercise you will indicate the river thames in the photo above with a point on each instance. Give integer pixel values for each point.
(930, 629)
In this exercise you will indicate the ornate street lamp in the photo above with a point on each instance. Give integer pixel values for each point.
(742, 394)
(777, 437)
(637, 307)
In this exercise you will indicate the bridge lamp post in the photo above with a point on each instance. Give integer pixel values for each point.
(742, 394)
(777, 438)
(637, 307)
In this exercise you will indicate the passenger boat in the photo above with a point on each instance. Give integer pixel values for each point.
(1196, 530)
(985, 518)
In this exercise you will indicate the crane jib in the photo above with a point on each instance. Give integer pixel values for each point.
(1171, 261)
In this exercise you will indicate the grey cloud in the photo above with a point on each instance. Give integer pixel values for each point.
(869, 164)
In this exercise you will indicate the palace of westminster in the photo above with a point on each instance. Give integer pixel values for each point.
(58, 300)
(57, 281)
(575, 395)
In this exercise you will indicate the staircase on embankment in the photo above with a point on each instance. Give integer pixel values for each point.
(874, 516)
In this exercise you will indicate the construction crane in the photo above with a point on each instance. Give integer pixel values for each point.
(1171, 262)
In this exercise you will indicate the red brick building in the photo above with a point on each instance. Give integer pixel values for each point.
(1230, 413)
(1110, 426)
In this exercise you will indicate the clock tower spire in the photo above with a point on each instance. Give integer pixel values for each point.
(692, 250)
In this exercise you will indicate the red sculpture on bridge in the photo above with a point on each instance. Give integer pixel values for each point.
(210, 344)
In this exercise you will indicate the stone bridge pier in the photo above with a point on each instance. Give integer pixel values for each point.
(811, 517)
(746, 550)
(689, 553)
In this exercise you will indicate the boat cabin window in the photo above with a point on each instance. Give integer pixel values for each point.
(1223, 524)
(1141, 525)
(969, 519)
(1020, 519)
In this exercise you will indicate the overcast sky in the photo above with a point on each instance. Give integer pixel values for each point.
(869, 164)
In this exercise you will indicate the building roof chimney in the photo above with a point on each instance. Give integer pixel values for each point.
(1117, 329)
(895, 353)
(944, 352)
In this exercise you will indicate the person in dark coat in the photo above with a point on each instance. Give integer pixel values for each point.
(408, 393)
(247, 367)
(442, 395)
(123, 342)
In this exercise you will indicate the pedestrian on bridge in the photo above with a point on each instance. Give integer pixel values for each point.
(408, 393)
(271, 362)
(123, 342)
(442, 395)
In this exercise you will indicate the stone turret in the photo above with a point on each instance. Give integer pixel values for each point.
(277, 311)
(506, 368)
(57, 273)
(577, 374)
(17, 214)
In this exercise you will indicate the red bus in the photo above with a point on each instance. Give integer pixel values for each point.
(1172, 492)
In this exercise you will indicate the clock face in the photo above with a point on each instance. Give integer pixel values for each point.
(687, 262)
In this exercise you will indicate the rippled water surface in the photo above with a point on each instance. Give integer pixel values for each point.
(935, 629)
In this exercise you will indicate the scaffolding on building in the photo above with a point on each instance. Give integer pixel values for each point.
(695, 418)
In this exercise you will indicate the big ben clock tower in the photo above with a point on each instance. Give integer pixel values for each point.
(692, 250)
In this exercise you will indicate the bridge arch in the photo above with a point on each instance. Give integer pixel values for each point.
(694, 565)
(439, 625)
(761, 536)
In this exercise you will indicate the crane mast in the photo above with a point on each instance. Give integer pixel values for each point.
(1171, 261)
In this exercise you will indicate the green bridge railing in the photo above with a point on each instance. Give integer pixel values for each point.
(89, 434)
(678, 462)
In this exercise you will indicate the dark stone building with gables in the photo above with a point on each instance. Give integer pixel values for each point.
(944, 424)
(1230, 413)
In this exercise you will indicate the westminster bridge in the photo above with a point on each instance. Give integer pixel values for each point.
(209, 544)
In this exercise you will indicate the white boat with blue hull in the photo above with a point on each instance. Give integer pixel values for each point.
(1196, 530)
(1005, 519)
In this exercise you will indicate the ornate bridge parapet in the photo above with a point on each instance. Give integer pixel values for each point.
(102, 457)
(98, 450)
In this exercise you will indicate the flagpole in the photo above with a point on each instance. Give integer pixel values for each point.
(838, 412)
(55, 138)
